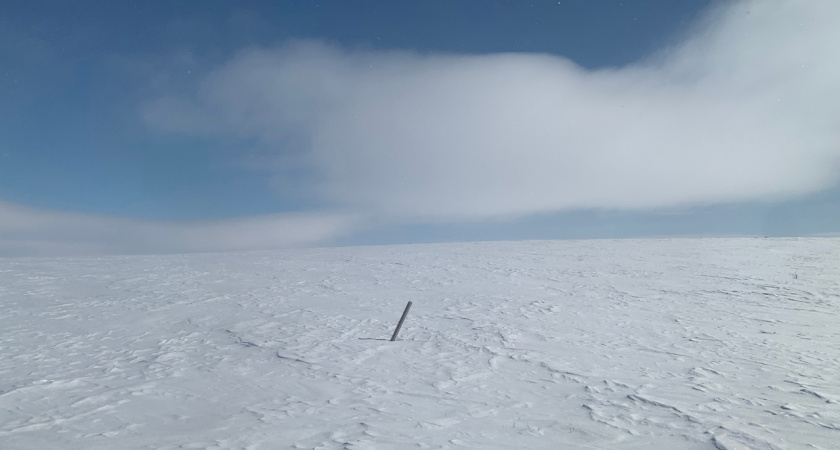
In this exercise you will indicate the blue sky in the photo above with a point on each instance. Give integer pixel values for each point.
(200, 126)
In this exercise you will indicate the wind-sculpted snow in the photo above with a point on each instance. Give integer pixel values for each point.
(634, 344)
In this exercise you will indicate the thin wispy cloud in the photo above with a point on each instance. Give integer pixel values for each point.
(744, 108)
(32, 232)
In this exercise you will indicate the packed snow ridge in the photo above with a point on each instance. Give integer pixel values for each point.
(631, 344)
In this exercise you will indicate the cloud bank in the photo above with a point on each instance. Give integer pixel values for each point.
(32, 232)
(744, 108)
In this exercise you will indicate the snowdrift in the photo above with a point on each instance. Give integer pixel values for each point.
(633, 344)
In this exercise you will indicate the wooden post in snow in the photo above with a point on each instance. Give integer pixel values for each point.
(402, 319)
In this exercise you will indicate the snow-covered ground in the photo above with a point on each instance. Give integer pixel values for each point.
(633, 344)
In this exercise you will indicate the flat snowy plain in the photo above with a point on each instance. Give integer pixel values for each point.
(632, 344)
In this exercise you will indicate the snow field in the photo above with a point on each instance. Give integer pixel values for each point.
(672, 343)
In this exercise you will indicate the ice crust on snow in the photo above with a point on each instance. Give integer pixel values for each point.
(667, 343)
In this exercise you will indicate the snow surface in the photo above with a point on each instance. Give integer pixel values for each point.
(675, 343)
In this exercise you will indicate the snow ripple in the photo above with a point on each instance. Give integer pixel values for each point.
(674, 343)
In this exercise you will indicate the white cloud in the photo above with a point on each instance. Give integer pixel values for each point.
(28, 231)
(744, 109)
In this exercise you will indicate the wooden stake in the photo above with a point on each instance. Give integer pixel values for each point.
(402, 319)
